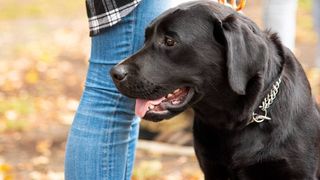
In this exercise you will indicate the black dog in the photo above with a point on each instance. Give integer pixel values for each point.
(255, 117)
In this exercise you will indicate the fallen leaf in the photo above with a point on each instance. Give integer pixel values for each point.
(44, 146)
(32, 77)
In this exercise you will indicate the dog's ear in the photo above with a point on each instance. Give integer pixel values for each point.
(246, 51)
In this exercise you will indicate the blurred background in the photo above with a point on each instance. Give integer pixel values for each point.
(44, 50)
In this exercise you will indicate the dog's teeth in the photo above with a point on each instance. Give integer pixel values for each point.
(175, 102)
(151, 107)
(169, 95)
(176, 91)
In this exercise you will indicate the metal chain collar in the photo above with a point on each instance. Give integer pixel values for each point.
(266, 103)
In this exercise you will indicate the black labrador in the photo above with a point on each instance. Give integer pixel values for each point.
(255, 117)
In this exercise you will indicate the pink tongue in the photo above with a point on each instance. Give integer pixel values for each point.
(143, 104)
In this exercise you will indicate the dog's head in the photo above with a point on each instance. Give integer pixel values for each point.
(190, 51)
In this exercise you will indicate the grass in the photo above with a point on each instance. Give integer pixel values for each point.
(305, 5)
(305, 28)
(23, 106)
(13, 112)
(17, 9)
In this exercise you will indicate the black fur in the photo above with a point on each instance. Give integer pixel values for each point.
(231, 65)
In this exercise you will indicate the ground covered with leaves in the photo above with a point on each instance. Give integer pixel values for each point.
(43, 59)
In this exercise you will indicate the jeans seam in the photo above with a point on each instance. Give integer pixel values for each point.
(107, 166)
(132, 45)
(108, 135)
(131, 50)
(127, 173)
(134, 25)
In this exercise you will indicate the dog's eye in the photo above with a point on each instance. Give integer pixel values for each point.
(169, 41)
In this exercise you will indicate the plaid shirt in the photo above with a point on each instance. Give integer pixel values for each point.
(105, 13)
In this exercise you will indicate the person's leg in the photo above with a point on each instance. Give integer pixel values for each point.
(280, 17)
(101, 142)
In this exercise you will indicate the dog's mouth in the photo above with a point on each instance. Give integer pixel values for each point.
(175, 101)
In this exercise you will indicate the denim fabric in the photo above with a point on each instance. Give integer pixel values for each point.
(280, 17)
(102, 139)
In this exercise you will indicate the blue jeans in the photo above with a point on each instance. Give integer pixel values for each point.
(280, 17)
(102, 139)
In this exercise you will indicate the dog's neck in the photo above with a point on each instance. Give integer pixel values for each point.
(275, 64)
(271, 82)
(237, 109)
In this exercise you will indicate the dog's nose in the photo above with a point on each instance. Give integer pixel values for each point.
(119, 72)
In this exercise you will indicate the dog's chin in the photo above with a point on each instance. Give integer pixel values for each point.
(159, 116)
(172, 107)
